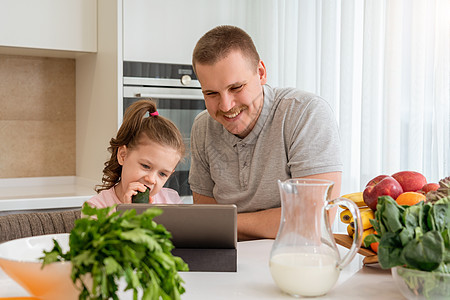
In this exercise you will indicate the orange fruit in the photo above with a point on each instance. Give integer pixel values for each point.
(410, 198)
(374, 247)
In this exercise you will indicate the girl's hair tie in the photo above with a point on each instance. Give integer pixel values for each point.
(153, 114)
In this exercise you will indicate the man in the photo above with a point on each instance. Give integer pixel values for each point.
(253, 135)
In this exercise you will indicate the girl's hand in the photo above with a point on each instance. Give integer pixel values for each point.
(132, 189)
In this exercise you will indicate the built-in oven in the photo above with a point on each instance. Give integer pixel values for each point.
(178, 97)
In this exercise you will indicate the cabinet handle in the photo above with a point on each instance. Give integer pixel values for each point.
(169, 96)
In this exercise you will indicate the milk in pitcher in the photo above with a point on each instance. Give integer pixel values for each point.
(304, 274)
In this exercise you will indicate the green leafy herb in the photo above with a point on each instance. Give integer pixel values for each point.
(415, 237)
(108, 245)
(141, 197)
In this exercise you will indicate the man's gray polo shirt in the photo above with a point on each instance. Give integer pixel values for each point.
(296, 135)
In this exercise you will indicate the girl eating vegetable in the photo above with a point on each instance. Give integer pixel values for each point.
(144, 154)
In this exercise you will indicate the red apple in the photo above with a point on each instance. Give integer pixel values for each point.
(376, 180)
(410, 181)
(382, 185)
(428, 187)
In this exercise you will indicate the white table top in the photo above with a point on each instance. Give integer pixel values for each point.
(253, 280)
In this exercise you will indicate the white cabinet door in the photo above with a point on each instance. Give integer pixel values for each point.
(69, 25)
(167, 31)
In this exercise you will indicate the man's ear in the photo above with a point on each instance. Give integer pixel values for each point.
(121, 154)
(262, 73)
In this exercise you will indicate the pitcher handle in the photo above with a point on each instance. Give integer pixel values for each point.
(357, 238)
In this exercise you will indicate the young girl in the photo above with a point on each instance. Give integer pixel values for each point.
(144, 154)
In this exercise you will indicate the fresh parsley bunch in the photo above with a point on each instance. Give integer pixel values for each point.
(107, 246)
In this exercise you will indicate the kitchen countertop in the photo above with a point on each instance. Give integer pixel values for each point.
(39, 193)
(253, 280)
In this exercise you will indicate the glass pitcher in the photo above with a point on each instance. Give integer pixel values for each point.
(304, 260)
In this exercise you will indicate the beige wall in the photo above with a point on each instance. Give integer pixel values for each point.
(37, 116)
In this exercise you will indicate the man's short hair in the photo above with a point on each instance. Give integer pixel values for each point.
(220, 41)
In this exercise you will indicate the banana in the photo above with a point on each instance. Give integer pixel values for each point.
(350, 231)
(345, 216)
(356, 197)
(365, 233)
(366, 215)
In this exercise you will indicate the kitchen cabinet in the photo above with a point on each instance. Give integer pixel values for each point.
(99, 93)
(69, 25)
(167, 31)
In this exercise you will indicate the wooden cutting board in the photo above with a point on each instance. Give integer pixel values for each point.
(346, 241)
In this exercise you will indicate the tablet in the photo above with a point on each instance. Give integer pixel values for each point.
(195, 225)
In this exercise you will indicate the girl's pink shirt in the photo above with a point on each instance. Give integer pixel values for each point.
(108, 198)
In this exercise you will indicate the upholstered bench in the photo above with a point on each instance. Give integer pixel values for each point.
(15, 226)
